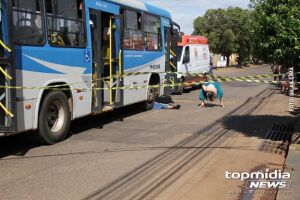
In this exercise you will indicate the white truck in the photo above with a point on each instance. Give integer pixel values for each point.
(193, 58)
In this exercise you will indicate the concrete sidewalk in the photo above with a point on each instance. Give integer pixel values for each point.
(293, 166)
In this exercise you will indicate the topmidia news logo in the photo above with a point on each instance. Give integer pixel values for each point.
(262, 179)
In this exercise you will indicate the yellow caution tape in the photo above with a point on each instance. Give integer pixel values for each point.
(5, 74)
(7, 112)
(184, 84)
(172, 82)
(221, 80)
(4, 46)
(187, 74)
(248, 79)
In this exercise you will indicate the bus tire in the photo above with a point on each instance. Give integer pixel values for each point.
(54, 118)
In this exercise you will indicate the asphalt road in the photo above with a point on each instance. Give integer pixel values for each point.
(127, 154)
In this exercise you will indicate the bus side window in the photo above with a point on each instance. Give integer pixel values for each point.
(186, 55)
(152, 29)
(66, 24)
(133, 35)
(28, 22)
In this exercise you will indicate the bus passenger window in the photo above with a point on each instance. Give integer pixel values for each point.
(152, 29)
(28, 22)
(66, 25)
(133, 35)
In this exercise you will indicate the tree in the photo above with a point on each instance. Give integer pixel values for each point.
(227, 44)
(239, 20)
(277, 31)
(228, 31)
(212, 26)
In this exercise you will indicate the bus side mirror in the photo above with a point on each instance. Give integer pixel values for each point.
(175, 33)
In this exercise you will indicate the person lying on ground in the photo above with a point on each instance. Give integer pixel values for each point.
(165, 102)
(210, 92)
(159, 106)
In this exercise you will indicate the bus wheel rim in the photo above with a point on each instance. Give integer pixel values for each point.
(55, 116)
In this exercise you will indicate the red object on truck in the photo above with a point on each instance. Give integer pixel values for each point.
(190, 39)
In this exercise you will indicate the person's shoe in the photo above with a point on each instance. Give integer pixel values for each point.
(177, 107)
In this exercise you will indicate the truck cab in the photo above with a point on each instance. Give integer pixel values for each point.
(193, 58)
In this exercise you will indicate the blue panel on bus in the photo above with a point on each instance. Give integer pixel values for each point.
(158, 11)
(139, 5)
(134, 59)
(51, 60)
(166, 22)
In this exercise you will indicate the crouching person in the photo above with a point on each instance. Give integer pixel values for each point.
(211, 92)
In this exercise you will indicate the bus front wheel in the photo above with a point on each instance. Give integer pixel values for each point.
(54, 118)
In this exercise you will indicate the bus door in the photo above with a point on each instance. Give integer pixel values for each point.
(107, 61)
(171, 61)
(175, 32)
(7, 72)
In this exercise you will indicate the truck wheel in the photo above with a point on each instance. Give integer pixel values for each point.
(54, 118)
(282, 89)
(180, 88)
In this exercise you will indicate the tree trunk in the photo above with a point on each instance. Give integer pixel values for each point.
(228, 61)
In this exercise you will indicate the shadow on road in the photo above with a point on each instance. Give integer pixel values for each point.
(17, 145)
(20, 144)
(278, 132)
(98, 121)
(255, 125)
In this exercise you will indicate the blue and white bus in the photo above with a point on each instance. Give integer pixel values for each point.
(66, 59)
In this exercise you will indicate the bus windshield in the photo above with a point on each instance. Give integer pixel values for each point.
(3, 28)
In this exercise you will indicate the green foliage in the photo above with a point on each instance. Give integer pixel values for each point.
(228, 31)
(228, 43)
(277, 31)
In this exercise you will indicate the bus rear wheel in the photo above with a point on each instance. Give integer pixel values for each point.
(54, 118)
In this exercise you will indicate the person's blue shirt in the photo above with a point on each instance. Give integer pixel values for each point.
(217, 85)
